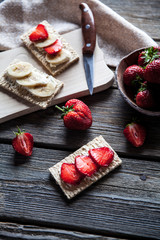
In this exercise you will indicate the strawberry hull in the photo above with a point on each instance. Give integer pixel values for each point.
(148, 55)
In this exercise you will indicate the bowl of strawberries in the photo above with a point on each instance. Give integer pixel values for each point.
(138, 79)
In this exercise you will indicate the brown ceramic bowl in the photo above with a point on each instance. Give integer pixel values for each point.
(125, 62)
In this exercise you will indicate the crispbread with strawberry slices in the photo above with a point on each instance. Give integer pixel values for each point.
(14, 88)
(72, 190)
(40, 54)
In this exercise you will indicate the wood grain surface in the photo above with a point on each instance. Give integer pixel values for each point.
(110, 115)
(127, 197)
(32, 232)
(142, 14)
(124, 204)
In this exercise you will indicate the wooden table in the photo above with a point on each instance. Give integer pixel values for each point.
(124, 204)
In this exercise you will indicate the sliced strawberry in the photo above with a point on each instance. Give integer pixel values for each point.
(102, 156)
(39, 34)
(69, 173)
(135, 134)
(23, 143)
(85, 165)
(54, 48)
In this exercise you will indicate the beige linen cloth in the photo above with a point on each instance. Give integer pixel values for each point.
(116, 36)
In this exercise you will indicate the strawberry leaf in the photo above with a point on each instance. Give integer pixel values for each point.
(65, 110)
(150, 54)
(19, 132)
(137, 82)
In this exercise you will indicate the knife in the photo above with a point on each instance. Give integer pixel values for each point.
(89, 35)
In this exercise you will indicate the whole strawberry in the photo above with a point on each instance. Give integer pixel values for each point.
(148, 55)
(144, 99)
(132, 73)
(135, 134)
(23, 143)
(76, 115)
(152, 72)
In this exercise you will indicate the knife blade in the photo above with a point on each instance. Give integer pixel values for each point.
(89, 35)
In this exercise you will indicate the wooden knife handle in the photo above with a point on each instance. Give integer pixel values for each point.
(88, 29)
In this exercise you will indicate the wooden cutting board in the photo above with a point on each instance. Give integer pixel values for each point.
(75, 85)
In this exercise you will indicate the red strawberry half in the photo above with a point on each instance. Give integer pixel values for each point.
(135, 134)
(132, 73)
(102, 156)
(69, 173)
(85, 165)
(23, 143)
(76, 115)
(54, 48)
(39, 34)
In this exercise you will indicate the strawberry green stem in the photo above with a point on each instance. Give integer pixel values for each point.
(61, 109)
(19, 132)
(65, 110)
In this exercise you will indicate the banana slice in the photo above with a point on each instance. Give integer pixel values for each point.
(51, 39)
(33, 80)
(19, 70)
(61, 57)
(45, 91)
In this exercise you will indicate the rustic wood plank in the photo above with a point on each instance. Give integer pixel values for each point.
(29, 232)
(110, 115)
(143, 14)
(125, 203)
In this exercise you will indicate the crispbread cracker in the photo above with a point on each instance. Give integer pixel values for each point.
(72, 190)
(20, 91)
(40, 54)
